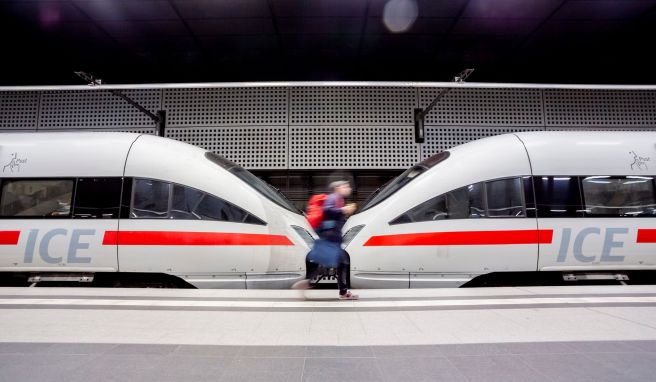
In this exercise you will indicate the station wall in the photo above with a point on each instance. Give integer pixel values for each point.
(286, 131)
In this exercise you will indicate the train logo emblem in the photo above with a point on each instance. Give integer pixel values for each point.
(639, 163)
(14, 163)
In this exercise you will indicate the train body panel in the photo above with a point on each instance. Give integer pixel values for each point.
(183, 212)
(591, 153)
(64, 245)
(476, 212)
(603, 243)
(59, 155)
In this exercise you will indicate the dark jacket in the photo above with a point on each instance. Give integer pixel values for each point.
(333, 219)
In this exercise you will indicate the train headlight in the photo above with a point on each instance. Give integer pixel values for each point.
(350, 235)
(304, 234)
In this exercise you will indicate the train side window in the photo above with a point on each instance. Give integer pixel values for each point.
(462, 203)
(185, 201)
(191, 204)
(557, 196)
(213, 208)
(45, 198)
(97, 198)
(619, 196)
(150, 199)
(476, 194)
(505, 198)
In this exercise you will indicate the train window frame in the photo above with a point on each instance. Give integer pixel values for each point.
(132, 199)
(585, 207)
(249, 217)
(519, 180)
(578, 208)
(399, 219)
(28, 179)
(529, 202)
(117, 207)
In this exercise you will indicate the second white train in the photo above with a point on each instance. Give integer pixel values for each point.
(568, 202)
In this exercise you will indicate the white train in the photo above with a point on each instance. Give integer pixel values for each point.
(581, 204)
(75, 205)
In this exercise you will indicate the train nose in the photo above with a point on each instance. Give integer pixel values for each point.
(350, 235)
(304, 235)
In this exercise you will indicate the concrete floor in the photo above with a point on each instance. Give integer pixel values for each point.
(523, 334)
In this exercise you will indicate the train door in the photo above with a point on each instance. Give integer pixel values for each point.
(183, 231)
(58, 224)
(598, 222)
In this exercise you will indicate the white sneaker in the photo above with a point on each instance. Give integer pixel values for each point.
(301, 284)
(348, 296)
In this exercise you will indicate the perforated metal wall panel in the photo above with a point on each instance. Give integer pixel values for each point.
(19, 110)
(96, 109)
(352, 106)
(356, 147)
(226, 107)
(327, 127)
(600, 108)
(440, 138)
(262, 147)
(484, 107)
(647, 128)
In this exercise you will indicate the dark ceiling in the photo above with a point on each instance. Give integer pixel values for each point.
(141, 41)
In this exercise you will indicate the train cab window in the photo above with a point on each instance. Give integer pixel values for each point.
(97, 198)
(265, 189)
(505, 198)
(402, 180)
(36, 198)
(150, 199)
(557, 196)
(619, 196)
(462, 203)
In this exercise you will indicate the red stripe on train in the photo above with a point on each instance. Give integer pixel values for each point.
(191, 238)
(646, 236)
(531, 236)
(9, 237)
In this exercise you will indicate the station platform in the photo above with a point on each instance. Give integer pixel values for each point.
(523, 334)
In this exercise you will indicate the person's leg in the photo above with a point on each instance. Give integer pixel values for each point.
(342, 277)
(312, 270)
(343, 273)
(346, 259)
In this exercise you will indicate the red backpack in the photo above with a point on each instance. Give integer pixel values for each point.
(315, 210)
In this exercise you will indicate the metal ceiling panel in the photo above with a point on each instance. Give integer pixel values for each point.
(45, 13)
(422, 25)
(230, 26)
(319, 8)
(507, 9)
(320, 25)
(604, 9)
(200, 9)
(495, 27)
(150, 28)
(426, 8)
(127, 9)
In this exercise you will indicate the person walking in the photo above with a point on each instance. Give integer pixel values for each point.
(335, 213)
